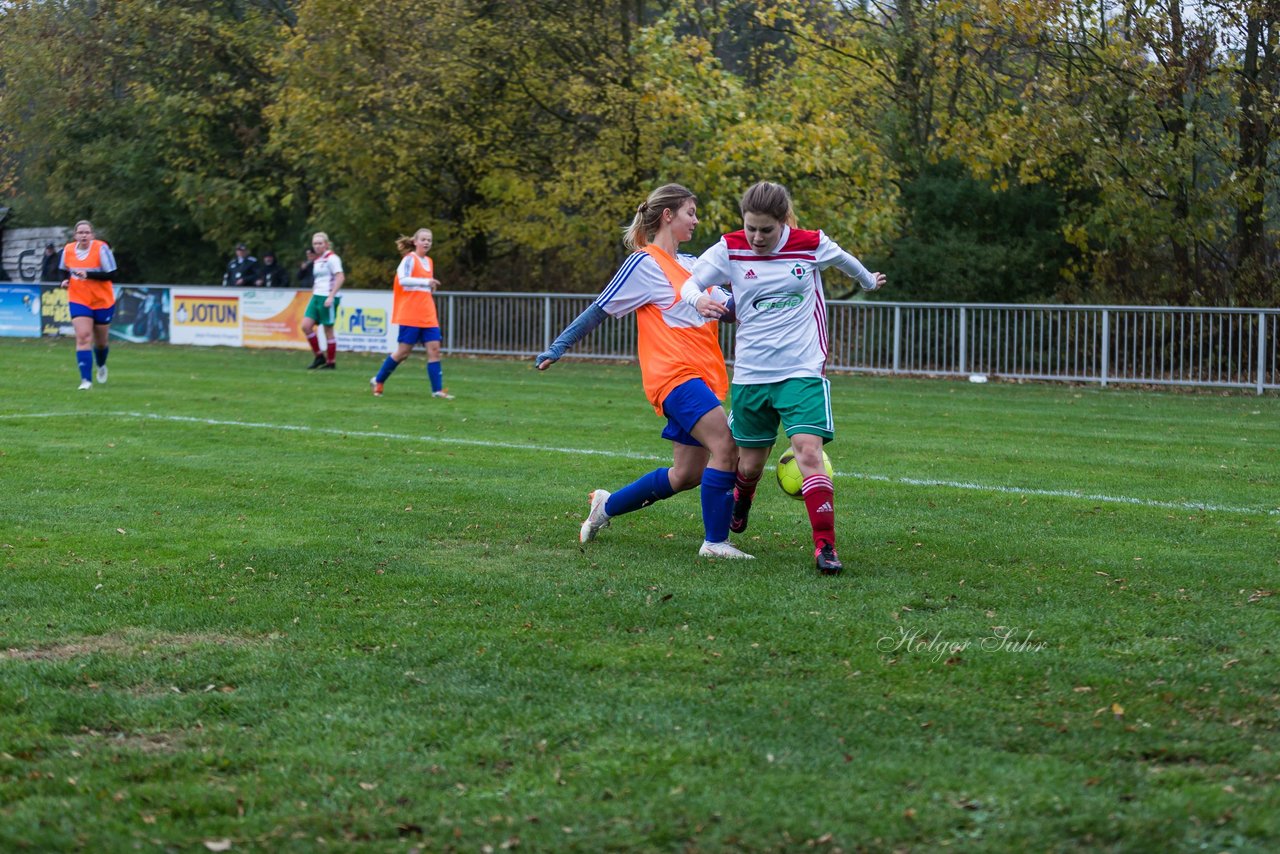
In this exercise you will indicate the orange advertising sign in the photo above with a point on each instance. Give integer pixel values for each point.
(274, 318)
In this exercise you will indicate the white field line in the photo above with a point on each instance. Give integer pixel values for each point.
(631, 455)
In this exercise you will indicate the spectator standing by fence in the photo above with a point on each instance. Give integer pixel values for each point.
(271, 274)
(242, 270)
(49, 271)
(306, 269)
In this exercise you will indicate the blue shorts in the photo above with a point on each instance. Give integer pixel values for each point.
(684, 407)
(101, 316)
(418, 334)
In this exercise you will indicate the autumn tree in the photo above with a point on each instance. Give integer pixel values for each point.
(146, 117)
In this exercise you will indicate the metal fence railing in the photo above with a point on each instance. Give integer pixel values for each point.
(1141, 345)
(1220, 347)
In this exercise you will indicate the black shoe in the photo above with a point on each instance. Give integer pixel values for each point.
(329, 366)
(741, 510)
(317, 362)
(828, 563)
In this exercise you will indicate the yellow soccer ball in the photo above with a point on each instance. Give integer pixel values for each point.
(789, 477)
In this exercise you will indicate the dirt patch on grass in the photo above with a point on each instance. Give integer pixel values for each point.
(147, 743)
(129, 643)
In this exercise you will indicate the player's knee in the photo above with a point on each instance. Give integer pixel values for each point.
(682, 479)
(724, 454)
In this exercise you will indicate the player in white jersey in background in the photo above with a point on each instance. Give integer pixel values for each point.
(780, 349)
(327, 278)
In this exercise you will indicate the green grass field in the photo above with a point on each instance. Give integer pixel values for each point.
(249, 607)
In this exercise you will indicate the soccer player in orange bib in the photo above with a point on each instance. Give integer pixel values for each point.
(780, 349)
(414, 309)
(682, 367)
(89, 266)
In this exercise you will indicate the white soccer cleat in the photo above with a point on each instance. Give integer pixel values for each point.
(85, 385)
(723, 550)
(102, 373)
(442, 394)
(596, 519)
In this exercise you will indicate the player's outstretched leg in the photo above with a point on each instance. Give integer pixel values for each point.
(641, 492)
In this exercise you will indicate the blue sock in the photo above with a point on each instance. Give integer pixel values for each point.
(436, 374)
(101, 355)
(388, 365)
(84, 358)
(642, 492)
(717, 503)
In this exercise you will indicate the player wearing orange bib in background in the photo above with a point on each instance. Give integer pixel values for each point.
(89, 265)
(414, 309)
(682, 367)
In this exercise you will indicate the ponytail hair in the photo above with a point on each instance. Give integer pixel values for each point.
(769, 199)
(649, 214)
(405, 241)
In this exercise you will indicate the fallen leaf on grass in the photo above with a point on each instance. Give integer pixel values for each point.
(1117, 710)
(368, 787)
(218, 844)
(1259, 595)
(121, 531)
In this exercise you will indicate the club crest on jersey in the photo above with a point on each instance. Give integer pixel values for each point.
(797, 271)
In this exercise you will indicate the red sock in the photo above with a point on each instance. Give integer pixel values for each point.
(820, 501)
(314, 341)
(331, 351)
(744, 489)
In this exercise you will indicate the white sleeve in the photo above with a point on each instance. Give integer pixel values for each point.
(335, 264)
(106, 260)
(712, 269)
(411, 283)
(638, 282)
(830, 254)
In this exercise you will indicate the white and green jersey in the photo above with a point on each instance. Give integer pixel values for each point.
(323, 271)
(778, 298)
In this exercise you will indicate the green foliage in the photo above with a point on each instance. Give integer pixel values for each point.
(210, 637)
(965, 242)
(147, 118)
(525, 133)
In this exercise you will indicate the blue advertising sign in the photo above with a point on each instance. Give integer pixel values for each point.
(19, 311)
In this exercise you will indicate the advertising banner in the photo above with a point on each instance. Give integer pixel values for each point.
(205, 317)
(364, 322)
(272, 318)
(142, 314)
(19, 311)
(55, 313)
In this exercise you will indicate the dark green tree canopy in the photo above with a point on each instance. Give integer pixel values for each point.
(982, 150)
